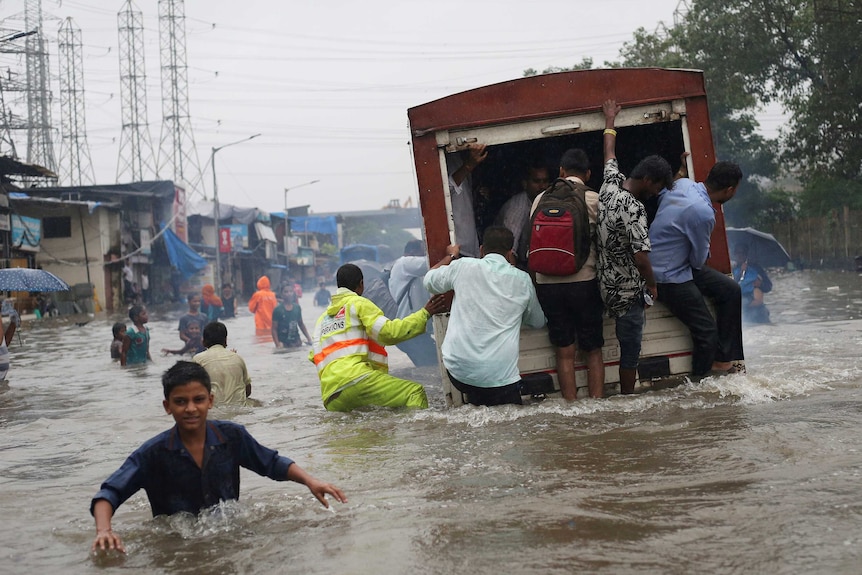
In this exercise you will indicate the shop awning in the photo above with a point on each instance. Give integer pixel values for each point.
(265, 232)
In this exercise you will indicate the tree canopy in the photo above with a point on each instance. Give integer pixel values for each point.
(801, 54)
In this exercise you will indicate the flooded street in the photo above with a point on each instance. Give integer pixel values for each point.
(753, 473)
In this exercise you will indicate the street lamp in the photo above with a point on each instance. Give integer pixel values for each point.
(293, 188)
(216, 206)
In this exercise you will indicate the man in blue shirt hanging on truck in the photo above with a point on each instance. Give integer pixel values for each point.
(680, 236)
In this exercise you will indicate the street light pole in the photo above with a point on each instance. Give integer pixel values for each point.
(293, 188)
(216, 214)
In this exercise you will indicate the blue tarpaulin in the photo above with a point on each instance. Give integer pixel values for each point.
(182, 257)
(314, 224)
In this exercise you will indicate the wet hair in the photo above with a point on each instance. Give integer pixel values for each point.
(118, 328)
(414, 248)
(193, 295)
(348, 276)
(654, 169)
(723, 175)
(226, 285)
(135, 311)
(497, 240)
(215, 332)
(575, 161)
(183, 372)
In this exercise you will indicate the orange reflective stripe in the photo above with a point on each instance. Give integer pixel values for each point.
(332, 348)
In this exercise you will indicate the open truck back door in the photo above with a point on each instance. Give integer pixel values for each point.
(664, 112)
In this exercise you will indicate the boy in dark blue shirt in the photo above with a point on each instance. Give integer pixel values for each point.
(195, 464)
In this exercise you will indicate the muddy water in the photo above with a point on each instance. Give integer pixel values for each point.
(752, 473)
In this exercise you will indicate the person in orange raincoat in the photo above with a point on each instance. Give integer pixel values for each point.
(261, 305)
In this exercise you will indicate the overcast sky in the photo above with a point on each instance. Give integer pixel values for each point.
(328, 83)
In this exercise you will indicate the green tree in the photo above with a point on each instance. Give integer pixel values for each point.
(732, 110)
(803, 54)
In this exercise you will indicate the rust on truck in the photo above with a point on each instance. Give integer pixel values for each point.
(664, 111)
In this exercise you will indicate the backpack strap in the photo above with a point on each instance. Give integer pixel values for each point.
(406, 292)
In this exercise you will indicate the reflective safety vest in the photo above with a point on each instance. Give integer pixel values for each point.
(348, 340)
(343, 334)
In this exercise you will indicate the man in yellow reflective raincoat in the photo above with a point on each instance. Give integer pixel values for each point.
(349, 352)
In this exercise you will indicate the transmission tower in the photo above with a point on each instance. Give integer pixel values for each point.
(177, 151)
(40, 147)
(14, 124)
(136, 161)
(7, 142)
(75, 166)
(680, 12)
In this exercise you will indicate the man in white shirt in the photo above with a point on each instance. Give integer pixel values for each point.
(461, 168)
(492, 299)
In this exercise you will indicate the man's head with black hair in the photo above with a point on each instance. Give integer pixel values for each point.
(183, 372)
(349, 276)
(575, 162)
(650, 176)
(215, 332)
(722, 181)
(414, 248)
(497, 240)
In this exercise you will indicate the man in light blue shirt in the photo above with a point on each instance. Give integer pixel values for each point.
(680, 237)
(492, 299)
(405, 284)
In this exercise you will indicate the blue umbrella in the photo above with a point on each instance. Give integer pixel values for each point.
(26, 279)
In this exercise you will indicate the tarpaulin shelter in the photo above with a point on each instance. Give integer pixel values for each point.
(182, 257)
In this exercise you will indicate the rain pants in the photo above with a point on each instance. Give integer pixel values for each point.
(348, 350)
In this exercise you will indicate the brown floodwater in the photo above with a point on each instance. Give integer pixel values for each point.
(752, 473)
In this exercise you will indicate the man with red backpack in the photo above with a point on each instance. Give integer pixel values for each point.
(566, 283)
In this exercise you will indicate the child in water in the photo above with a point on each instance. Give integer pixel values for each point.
(194, 344)
(119, 331)
(136, 343)
(195, 464)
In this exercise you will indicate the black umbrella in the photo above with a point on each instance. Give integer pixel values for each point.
(370, 269)
(763, 248)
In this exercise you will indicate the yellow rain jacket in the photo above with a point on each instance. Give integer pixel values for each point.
(348, 350)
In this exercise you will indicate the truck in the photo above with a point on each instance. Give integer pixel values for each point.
(664, 111)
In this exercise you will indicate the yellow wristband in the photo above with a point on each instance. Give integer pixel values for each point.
(610, 131)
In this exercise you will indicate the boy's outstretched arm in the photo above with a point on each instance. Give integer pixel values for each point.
(318, 488)
(105, 538)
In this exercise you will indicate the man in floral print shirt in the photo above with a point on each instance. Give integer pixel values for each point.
(624, 269)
